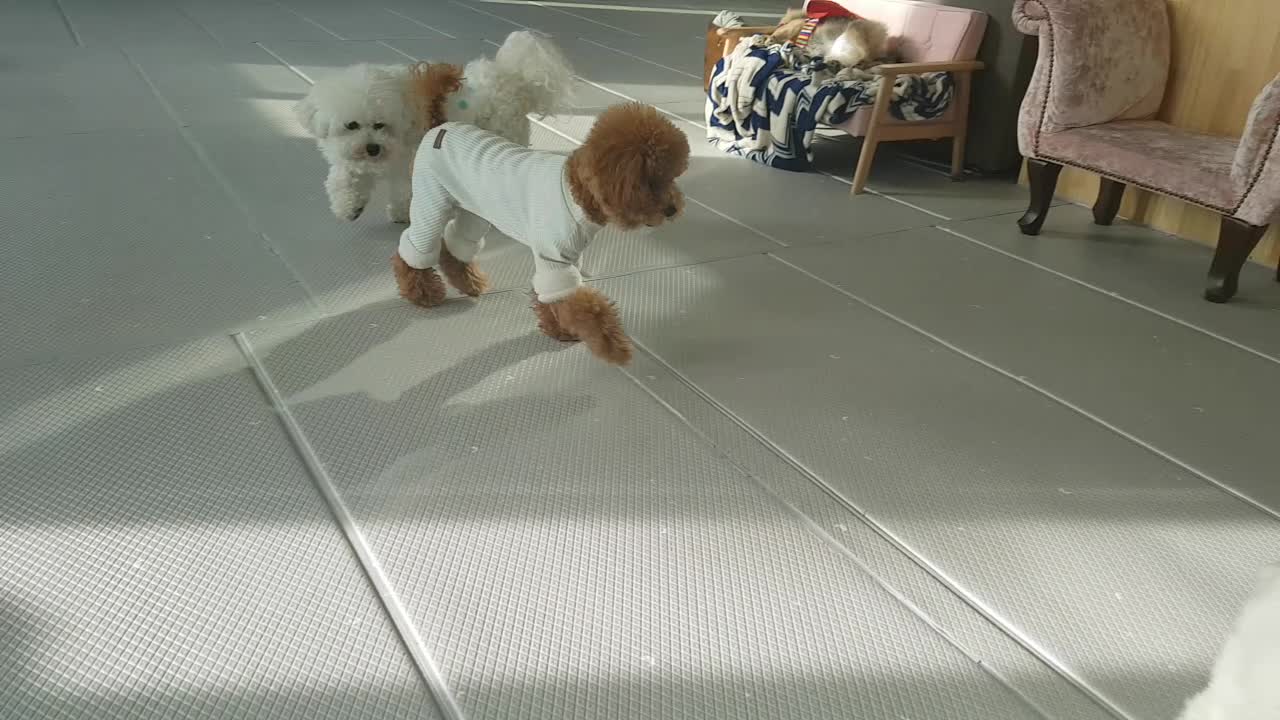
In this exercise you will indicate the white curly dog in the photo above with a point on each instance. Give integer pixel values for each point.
(367, 123)
(1245, 684)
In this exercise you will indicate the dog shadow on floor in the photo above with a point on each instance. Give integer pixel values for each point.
(373, 388)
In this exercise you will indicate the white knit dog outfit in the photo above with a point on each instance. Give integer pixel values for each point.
(466, 179)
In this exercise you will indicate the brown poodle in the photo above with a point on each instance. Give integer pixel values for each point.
(467, 179)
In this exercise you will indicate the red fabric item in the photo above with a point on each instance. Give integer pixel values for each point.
(821, 9)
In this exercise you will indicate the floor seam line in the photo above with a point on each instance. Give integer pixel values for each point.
(397, 50)
(887, 196)
(286, 8)
(66, 22)
(183, 12)
(382, 586)
(415, 21)
(478, 11)
(224, 184)
(1112, 294)
(544, 6)
(1023, 381)
(642, 59)
(813, 525)
(922, 562)
(284, 62)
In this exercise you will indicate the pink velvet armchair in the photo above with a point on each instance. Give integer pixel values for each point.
(1099, 79)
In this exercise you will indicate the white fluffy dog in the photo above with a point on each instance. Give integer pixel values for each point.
(368, 122)
(1246, 678)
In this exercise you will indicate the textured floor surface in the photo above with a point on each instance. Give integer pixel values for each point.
(879, 457)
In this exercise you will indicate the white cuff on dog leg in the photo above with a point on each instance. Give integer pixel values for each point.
(412, 256)
(556, 285)
(462, 240)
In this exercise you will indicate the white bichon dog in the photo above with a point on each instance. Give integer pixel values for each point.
(1245, 684)
(368, 122)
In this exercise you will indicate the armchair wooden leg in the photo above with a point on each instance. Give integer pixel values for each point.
(879, 112)
(866, 157)
(1043, 176)
(964, 82)
(1236, 239)
(1110, 193)
(957, 157)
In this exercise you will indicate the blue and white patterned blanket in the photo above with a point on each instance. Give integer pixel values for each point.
(766, 101)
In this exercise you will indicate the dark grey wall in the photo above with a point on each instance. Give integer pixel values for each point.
(997, 92)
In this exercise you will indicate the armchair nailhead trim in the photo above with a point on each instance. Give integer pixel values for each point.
(1257, 175)
(1136, 183)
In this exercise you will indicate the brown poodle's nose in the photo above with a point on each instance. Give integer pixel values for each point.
(373, 149)
(670, 211)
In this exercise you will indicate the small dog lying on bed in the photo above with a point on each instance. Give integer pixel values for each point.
(825, 29)
(368, 119)
(466, 179)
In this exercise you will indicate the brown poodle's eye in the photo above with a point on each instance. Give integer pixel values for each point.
(379, 126)
(353, 125)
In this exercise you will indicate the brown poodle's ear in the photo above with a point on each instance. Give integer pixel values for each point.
(623, 182)
(631, 157)
(430, 85)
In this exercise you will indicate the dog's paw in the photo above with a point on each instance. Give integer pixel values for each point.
(466, 277)
(549, 324)
(613, 347)
(347, 212)
(423, 288)
(399, 215)
(590, 316)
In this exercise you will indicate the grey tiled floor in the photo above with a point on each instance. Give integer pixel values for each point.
(878, 457)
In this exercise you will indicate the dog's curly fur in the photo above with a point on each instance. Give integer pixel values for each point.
(369, 119)
(431, 84)
(623, 174)
(1243, 683)
(589, 316)
(465, 277)
(548, 323)
(425, 288)
(420, 287)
